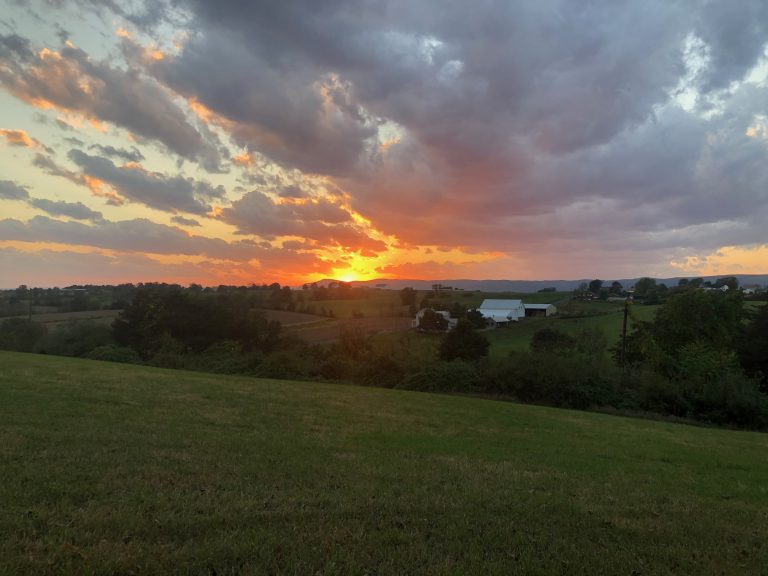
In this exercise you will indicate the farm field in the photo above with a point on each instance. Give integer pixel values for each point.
(108, 468)
(380, 303)
(54, 319)
(327, 330)
(518, 336)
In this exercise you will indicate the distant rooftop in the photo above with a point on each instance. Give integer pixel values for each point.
(500, 304)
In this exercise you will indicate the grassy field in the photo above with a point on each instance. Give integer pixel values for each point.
(55, 319)
(112, 469)
(380, 303)
(608, 319)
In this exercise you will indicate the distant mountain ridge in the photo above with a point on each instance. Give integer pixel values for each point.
(535, 285)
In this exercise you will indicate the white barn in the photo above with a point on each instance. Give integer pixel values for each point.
(502, 311)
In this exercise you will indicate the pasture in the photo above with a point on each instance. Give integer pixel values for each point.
(109, 469)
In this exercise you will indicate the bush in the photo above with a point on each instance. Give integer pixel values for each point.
(455, 376)
(551, 341)
(112, 353)
(75, 339)
(382, 371)
(284, 364)
(463, 343)
(224, 357)
(554, 380)
(21, 334)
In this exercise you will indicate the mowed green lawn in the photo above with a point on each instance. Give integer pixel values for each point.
(114, 469)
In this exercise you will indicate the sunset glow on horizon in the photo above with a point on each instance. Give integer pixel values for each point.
(242, 143)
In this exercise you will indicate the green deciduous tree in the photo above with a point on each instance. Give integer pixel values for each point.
(408, 296)
(753, 346)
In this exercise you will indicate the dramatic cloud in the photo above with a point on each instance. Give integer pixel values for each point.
(546, 138)
(320, 220)
(482, 116)
(69, 80)
(131, 181)
(139, 235)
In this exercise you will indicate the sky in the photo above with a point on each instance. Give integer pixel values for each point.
(236, 142)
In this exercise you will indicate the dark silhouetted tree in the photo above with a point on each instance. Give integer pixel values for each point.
(464, 343)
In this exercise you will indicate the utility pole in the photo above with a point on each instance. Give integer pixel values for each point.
(624, 334)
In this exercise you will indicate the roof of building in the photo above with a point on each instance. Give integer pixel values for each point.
(538, 306)
(500, 304)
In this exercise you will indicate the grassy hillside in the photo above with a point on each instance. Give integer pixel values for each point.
(121, 469)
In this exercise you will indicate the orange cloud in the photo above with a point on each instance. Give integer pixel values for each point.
(727, 260)
(244, 160)
(19, 138)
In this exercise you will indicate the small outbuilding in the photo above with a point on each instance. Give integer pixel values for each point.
(535, 310)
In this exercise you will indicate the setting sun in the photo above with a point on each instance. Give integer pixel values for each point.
(348, 276)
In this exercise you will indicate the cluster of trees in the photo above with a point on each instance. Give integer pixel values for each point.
(597, 289)
(647, 290)
(333, 291)
(708, 355)
(77, 298)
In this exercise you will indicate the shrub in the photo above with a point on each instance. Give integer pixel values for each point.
(454, 376)
(75, 339)
(112, 353)
(283, 364)
(554, 380)
(21, 334)
(380, 370)
(463, 343)
(551, 341)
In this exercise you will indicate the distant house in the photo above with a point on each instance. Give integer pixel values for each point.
(447, 315)
(501, 312)
(540, 309)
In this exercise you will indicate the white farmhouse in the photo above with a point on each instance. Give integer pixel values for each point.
(502, 311)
